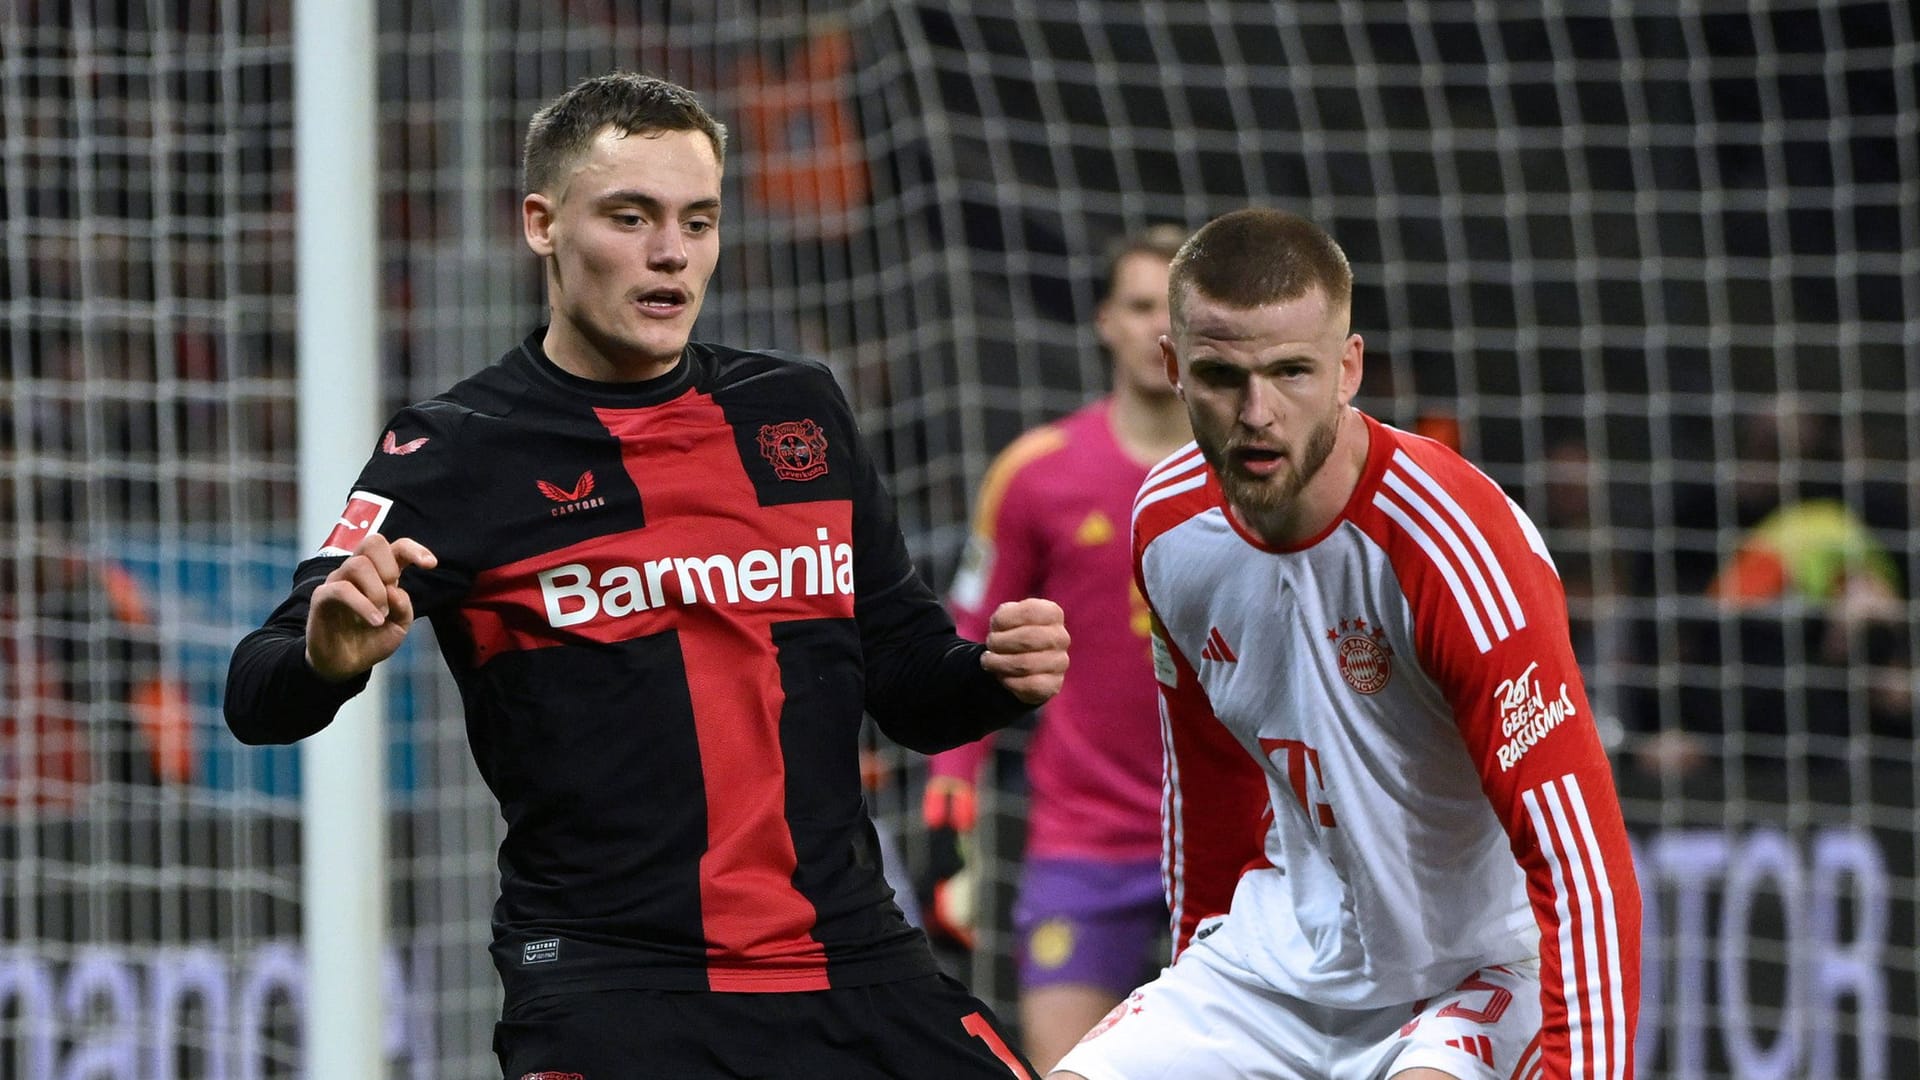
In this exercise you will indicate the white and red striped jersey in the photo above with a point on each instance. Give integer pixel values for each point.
(1380, 759)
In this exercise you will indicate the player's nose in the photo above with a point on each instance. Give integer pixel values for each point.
(666, 250)
(1259, 405)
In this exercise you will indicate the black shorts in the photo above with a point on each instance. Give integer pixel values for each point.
(928, 1027)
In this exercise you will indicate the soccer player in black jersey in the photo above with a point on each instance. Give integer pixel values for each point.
(668, 581)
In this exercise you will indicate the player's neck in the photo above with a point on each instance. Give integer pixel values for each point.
(1148, 427)
(577, 355)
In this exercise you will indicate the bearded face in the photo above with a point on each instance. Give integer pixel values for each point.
(1263, 478)
(1266, 390)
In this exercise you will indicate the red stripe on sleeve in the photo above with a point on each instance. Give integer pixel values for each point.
(1214, 812)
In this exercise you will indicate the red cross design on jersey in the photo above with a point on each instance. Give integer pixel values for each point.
(700, 504)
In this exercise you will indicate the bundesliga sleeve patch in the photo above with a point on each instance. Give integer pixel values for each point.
(1163, 668)
(364, 514)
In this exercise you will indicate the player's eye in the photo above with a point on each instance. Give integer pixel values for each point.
(1221, 375)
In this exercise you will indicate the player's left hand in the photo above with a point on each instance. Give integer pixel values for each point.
(1027, 648)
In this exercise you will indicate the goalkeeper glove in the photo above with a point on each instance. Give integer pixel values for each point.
(950, 809)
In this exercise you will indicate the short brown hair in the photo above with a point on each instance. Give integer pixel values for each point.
(1162, 240)
(1249, 258)
(563, 130)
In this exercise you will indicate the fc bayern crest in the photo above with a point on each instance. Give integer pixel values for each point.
(1365, 658)
(797, 449)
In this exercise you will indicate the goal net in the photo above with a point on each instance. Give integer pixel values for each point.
(1654, 270)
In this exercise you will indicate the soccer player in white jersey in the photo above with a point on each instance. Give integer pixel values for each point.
(1393, 846)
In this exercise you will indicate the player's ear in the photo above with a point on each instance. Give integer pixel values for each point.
(1103, 324)
(536, 220)
(1172, 361)
(1351, 367)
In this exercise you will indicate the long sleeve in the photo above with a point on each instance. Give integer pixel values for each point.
(273, 696)
(925, 686)
(413, 486)
(1214, 810)
(1522, 711)
(1214, 814)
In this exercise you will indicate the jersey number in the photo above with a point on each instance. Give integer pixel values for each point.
(978, 1027)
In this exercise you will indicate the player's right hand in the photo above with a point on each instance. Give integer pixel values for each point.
(360, 614)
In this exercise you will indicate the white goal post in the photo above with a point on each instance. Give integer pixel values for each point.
(1653, 267)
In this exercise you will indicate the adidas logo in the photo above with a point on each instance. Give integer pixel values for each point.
(1478, 1045)
(1216, 648)
(1095, 530)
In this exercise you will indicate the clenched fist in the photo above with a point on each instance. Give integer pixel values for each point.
(1027, 648)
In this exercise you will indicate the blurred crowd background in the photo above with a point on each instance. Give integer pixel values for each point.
(1656, 271)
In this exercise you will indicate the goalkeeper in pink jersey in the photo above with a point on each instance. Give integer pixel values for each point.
(1051, 520)
(1394, 847)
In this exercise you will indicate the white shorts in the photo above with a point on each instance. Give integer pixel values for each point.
(1201, 1019)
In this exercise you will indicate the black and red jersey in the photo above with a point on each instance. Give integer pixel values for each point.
(667, 605)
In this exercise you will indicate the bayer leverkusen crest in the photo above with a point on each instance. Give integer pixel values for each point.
(1365, 658)
(797, 449)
